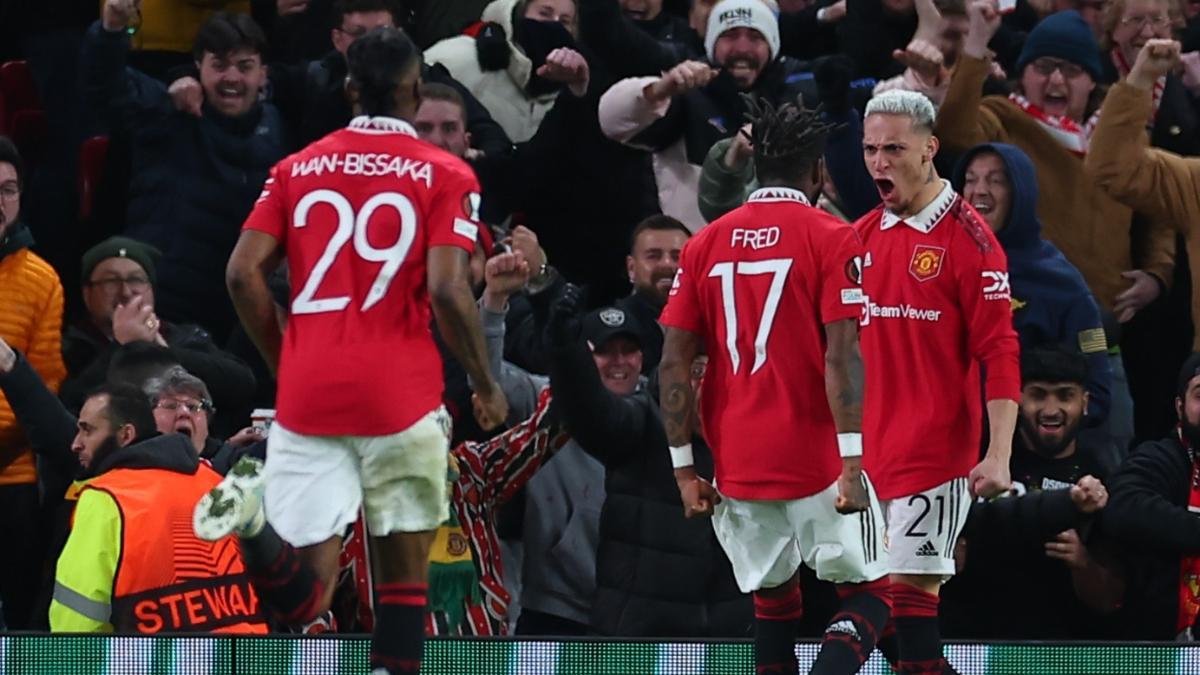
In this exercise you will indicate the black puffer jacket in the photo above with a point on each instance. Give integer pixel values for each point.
(657, 573)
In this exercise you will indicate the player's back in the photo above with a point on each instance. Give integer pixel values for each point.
(762, 282)
(361, 208)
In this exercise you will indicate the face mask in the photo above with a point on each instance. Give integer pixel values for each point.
(539, 38)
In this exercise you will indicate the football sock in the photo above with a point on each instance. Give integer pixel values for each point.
(776, 625)
(283, 581)
(889, 644)
(399, 637)
(916, 614)
(854, 630)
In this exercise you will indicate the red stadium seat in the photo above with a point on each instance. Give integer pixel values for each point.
(19, 89)
(92, 155)
(22, 117)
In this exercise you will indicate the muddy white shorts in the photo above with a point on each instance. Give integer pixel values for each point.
(316, 484)
(767, 540)
(923, 528)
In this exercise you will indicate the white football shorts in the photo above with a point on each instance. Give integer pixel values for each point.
(316, 484)
(923, 528)
(767, 540)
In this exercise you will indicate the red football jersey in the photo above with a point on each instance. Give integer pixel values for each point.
(936, 307)
(357, 213)
(759, 285)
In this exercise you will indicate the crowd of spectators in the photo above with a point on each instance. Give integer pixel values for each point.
(604, 134)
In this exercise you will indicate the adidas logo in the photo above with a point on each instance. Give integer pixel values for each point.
(844, 626)
(927, 550)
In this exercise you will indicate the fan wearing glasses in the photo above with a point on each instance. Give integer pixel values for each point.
(118, 294)
(182, 405)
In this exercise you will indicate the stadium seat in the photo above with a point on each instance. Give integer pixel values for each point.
(22, 118)
(92, 156)
(19, 90)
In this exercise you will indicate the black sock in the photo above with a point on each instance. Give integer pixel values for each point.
(399, 638)
(776, 625)
(285, 583)
(889, 644)
(917, 628)
(855, 629)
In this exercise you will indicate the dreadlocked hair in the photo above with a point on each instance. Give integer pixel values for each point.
(787, 140)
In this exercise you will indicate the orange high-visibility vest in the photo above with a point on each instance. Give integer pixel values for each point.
(167, 578)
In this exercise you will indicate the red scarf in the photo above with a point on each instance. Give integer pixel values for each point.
(1064, 129)
(1123, 68)
(1189, 566)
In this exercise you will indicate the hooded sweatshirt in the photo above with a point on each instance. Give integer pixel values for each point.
(1051, 301)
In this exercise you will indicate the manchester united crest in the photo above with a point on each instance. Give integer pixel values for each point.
(456, 544)
(926, 262)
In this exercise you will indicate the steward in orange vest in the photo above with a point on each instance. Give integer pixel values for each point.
(132, 563)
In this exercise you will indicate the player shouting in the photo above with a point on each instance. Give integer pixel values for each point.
(936, 310)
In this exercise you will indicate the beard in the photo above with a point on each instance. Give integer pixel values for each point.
(107, 447)
(1190, 433)
(1048, 447)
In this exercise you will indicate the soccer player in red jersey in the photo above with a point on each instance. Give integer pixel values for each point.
(376, 226)
(771, 290)
(936, 314)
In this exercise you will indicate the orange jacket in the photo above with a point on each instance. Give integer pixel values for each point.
(167, 578)
(31, 308)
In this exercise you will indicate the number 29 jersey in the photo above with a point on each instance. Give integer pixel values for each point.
(356, 213)
(759, 285)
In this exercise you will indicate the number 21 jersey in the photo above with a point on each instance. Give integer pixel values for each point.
(759, 285)
(356, 213)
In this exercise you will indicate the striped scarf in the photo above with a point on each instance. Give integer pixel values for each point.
(1064, 129)
(453, 578)
(1123, 69)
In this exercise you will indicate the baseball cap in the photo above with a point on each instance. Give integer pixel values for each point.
(601, 325)
(1190, 369)
(121, 247)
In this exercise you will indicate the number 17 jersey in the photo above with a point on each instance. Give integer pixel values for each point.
(356, 214)
(759, 285)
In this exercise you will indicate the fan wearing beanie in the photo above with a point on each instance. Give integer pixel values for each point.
(681, 114)
(1050, 117)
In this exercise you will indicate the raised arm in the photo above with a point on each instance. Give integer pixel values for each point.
(962, 122)
(122, 97)
(1160, 184)
(645, 112)
(458, 320)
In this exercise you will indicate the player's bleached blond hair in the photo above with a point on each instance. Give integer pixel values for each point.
(910, 104)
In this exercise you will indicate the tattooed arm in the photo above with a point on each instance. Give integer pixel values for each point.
(678, 403)
(844, 389)
(676, 398)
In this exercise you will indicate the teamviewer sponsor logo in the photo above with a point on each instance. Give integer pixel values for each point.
(873, 310)
(995, 285)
